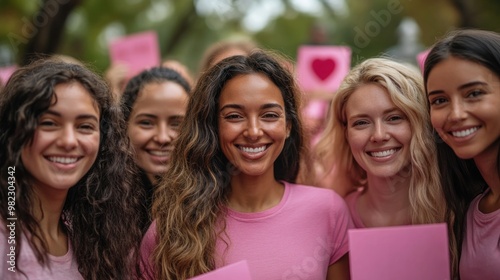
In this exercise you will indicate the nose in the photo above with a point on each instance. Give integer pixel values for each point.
(68, 138)
(164, 134)
(253, 130)
(379, 132)
(458, 111)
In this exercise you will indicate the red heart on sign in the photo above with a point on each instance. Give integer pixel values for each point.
(323, 68)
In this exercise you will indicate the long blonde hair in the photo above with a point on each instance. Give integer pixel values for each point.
(405, 88)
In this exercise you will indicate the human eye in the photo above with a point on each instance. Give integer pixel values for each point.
(271, 115)
(47, 123)
(359, 123)
(232, 117)
(145, 123)
(475, 93)
(436, 101)
(87, 127)
(176, 123)
(395, 118)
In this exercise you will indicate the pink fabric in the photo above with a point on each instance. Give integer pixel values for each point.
(147, 247)
(481, 246)
(297, 239)
(61, 267)
(351, 201)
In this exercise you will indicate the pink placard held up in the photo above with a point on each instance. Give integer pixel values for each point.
(413, 252)
(238, 270)
(322, 68)
(421, 59)
(6, 72)
(138, 52)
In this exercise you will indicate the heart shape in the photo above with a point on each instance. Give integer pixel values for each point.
(323, 68)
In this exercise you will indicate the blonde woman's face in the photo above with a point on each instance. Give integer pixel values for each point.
(378, 132)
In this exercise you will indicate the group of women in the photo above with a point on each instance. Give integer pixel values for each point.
(177, 181)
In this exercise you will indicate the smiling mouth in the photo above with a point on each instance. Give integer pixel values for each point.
(465, 132)
(253, 150)
(159, 153)
(63, 160)
(383, 153)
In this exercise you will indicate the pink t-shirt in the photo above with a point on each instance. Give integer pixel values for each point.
(61, 267)
(297, 239)
(481, 246)
(352, 200)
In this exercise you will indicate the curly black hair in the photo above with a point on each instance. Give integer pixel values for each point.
(100, 211)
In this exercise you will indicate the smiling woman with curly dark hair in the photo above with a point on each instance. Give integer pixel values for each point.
(76, 205)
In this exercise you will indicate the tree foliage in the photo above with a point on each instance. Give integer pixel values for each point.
(84, 28)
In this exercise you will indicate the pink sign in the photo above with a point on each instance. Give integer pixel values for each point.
(138, 52)
(413, 252)
(238, 270)
(6, 72)
(322, 68)
(421, 59)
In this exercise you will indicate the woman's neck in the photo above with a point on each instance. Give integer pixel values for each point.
(385, 202)
(47, 210)
(255, 194)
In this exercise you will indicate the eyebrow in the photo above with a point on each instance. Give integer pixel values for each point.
(146, 115)
(464, 86)
(390, 110)
(264, 106)
(79, 117)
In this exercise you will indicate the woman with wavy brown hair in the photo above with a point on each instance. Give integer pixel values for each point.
(67, 173)
(231, 195)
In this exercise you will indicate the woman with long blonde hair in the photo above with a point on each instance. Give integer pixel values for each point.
(379, 139)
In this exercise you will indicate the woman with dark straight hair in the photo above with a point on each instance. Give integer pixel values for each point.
(462, 80)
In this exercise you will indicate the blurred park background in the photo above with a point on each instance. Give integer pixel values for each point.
(185, 28)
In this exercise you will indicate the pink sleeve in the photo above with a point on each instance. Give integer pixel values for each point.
(147, 247)
(342, 223)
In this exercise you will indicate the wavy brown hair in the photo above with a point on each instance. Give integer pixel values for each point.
(100, 211)
(190, 202)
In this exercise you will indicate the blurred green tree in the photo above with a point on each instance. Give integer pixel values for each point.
(84, 28)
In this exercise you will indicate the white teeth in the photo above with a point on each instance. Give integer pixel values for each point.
(464, 133)
(63, 160)
(383, 153)
(159, 153)
(253, 150)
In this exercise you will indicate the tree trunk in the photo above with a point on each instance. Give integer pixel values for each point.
(466, 12)
(182, 28)
(48, 24)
